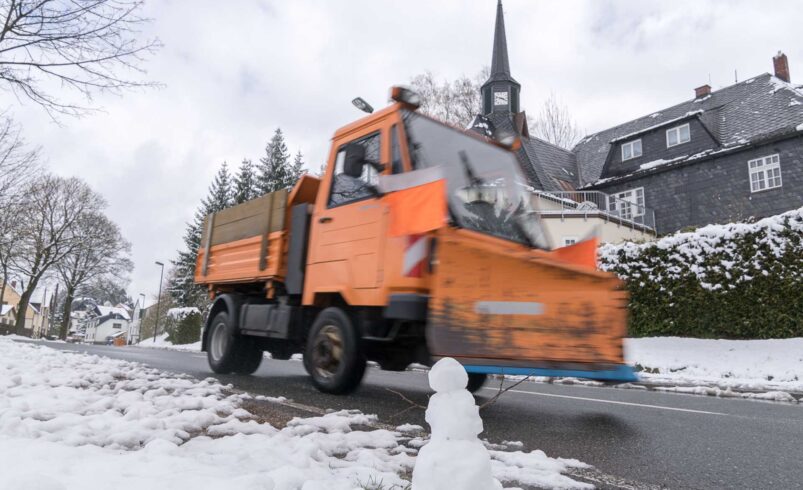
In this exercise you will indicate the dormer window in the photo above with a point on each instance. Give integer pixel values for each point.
(678, 135)
(500, 98)
(631, 149)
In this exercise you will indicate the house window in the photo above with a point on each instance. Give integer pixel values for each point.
(117, 326)
(765, 173)
(631, 149)
(677, 135)
(569, 240)
(627, 204)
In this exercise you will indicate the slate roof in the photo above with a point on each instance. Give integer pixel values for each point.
(738, 114)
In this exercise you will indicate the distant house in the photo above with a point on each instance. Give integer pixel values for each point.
(35, 321)
(8, 318)
(725, 155)
(112, 322)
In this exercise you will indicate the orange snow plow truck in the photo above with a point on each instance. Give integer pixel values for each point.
(418, 242)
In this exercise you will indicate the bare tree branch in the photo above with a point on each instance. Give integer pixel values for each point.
(454, 102)
(88, 46)
(555, 124)
(503, 391)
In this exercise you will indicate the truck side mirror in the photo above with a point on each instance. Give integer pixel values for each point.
(354, 161)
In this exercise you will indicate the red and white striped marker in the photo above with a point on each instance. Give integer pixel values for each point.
(415, 255)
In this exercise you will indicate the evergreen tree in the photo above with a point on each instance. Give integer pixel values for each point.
(274, 167)
(181, 285)
(297, 170)
(245, 183)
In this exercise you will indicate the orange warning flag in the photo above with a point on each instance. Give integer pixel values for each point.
(417, 209)
(582, 253)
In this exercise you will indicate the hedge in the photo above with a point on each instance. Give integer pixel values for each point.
(737, 281)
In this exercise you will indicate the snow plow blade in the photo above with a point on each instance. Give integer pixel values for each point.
(503, 309)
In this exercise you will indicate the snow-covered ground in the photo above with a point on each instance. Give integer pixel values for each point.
(774, 367)
(162, 343)
(92, 422)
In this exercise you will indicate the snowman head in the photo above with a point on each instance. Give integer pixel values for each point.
(447, 375)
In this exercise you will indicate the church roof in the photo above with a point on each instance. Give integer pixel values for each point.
(500, 63)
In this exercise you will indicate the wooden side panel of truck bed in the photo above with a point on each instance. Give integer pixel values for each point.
(244, 243)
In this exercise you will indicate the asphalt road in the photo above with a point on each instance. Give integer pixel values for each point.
(633, 438)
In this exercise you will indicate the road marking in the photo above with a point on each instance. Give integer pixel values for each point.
(612, 402)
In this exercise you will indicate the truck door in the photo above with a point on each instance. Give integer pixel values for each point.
(348, 229)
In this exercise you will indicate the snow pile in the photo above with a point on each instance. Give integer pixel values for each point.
(86, 419)
(181, 312)
(162, 343)
(454, 456)
(774, 365)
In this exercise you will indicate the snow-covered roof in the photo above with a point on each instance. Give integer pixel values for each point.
(4, 309)
(741, 113)
(113, 310)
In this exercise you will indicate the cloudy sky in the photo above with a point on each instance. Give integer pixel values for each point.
(234, 71)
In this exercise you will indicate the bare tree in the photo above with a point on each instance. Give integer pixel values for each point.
(48, 214)
(454, 102)
(100, 250)
(555, 124)
(84, 45)
(18, 164)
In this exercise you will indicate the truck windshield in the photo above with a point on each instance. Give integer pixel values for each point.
(487, 191)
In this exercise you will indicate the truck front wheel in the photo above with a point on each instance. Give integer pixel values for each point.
(333, 356)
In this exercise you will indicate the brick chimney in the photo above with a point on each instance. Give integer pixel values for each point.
(781, 65)
(703, 91)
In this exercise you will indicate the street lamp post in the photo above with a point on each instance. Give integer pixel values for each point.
(158, 301)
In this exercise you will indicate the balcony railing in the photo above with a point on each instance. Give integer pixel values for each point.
(595, 203)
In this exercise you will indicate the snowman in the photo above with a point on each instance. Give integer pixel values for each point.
(454, 457)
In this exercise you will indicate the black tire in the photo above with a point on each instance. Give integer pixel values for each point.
(248, 358)
(334, 357)
(227, 352)
(475, 381)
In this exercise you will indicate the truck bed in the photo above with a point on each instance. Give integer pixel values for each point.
(245, 243)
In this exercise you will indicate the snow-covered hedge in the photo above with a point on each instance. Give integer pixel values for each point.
(740, 280)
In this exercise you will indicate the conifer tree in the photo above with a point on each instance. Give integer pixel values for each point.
(274, 167)
(297, 170)
(245, 183)
(182, 286)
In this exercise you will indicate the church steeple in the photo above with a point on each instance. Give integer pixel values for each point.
(500, 94)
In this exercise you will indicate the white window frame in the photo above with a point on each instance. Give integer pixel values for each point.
(626, 203)
(569, 240)
(632, 146)
(676, 130)
(765, 173)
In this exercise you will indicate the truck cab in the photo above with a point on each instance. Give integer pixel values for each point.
(418, 242)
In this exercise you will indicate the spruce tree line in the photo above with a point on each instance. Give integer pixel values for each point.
(274, 171)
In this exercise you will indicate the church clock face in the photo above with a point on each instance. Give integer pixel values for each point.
(500, 98)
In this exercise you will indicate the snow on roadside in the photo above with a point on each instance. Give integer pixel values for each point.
(162, 343)
(702, 366)
(89, 421)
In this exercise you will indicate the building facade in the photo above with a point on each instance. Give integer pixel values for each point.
(725, 155)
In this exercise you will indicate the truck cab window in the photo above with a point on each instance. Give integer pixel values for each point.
(346, 189)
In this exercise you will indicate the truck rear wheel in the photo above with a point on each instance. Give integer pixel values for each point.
(334, 357)
(248, 358)
(227, 352)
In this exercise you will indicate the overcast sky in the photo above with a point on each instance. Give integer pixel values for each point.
(234, 71)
